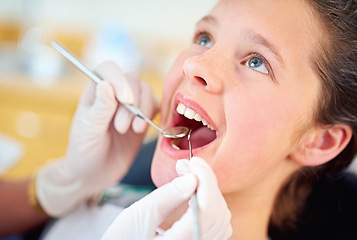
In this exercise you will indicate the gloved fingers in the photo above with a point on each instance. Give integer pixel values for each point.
(123, 92)
(218, 226)
(104, 106)
(124, 118)
(222, 230)
(88, 95)
(214, 214)
(164, 200)
(96, 107)
(182, 167)
(184, 229)
(148, 105)
(111, 72)
(144, 216)
(208, 192)
(154, 208)
(181, 229)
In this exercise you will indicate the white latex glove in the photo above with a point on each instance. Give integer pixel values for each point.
(140, 220)
(104, 140)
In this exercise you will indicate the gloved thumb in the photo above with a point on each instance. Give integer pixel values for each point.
(163, 201)
(105, 104)
(96, 108)
(148, 213)
(113, 74)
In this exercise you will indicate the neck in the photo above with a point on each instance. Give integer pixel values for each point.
(251, 208)
(250, 216)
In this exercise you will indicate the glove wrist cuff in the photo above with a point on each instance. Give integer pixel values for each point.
(57, 191)
(32, 197)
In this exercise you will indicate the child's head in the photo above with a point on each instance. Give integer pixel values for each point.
(335, 63)
(276, 80)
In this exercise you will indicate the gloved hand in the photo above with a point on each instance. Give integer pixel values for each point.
(104, 140)
(140, 220)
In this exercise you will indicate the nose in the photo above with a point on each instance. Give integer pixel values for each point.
(205, 70)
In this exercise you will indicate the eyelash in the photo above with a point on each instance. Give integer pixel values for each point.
(265, 62)
(200, 34)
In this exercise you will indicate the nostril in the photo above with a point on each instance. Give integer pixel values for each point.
(201, 81)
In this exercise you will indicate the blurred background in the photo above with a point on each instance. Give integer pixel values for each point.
(39, 89)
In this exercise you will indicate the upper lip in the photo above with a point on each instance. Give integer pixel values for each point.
(177, 119)
(189, 103)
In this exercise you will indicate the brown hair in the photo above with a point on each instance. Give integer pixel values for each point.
(336, 65)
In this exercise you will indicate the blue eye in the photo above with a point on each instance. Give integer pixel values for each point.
(204, 40)
(258, 63)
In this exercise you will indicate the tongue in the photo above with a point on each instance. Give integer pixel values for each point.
(199, 137)
(202, 136)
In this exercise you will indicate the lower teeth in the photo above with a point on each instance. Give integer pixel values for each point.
(175, 142)
(175, 147)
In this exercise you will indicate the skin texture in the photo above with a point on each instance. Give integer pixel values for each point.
(263, 115)
(17, 215)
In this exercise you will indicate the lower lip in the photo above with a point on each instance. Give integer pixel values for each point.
(167, 148)
(175, 153)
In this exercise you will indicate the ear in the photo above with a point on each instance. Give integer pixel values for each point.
(322, 145)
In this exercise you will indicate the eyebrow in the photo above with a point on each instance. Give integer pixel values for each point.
(252, 35)
(209, 19)
(257, 38)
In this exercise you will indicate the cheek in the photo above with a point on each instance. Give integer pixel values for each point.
(257, 139)
(175, 75)
(172, 82)
(242, 165)
(162, 168)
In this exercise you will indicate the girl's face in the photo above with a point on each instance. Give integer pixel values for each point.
(248, 76)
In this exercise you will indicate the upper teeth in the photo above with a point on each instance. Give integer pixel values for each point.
(192, 114)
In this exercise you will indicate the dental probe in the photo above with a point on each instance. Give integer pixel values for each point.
(196, 230)
(173, 132)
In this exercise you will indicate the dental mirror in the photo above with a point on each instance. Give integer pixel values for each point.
(173, 132)
(196, 226)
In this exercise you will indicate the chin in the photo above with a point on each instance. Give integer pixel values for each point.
(163, 168)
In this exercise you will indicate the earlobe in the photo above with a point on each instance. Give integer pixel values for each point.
(324, 145)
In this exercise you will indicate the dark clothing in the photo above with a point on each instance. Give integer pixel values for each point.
(139, 173)
(331, 211)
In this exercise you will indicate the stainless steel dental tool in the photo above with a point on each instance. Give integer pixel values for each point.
(196, 227)
(173, 132)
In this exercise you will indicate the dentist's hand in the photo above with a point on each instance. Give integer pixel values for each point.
(104, 140)
(141, 220)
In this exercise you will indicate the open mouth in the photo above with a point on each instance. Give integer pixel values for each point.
(202, 133)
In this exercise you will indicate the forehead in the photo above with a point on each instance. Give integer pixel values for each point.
(285, 22)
